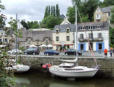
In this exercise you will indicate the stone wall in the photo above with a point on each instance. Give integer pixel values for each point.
(106, 64)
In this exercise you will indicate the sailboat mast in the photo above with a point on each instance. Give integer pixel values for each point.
(76, 34)
(16, 35)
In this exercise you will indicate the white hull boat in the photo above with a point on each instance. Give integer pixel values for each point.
(72, 71)
(18, 68)
(70, 68)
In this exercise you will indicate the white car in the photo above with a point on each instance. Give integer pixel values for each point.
(14, 51)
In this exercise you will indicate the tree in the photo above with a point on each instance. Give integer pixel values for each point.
(112, 16)
(33, 24)
(52, 17)
(83, 13)
(57, 10)
(50, 22)
(24, 24)
(53, 10)
(5, 76)
(2, 20)
(71, 14)
(2, 7)
(30, 24)
(111, 37)
(108, 2)
(2, 16)
(47, 11)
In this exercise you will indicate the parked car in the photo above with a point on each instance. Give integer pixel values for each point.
(14, 51)
(72, 52)
(51, 52)
(32, 50)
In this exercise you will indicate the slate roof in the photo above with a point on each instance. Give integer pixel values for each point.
(106, 9)
(36, 35)
(82, 26)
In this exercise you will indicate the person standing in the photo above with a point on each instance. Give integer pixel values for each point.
(105, 52)
(111, 51)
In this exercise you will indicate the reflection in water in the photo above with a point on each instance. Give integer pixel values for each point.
(38, 79)
(22, 80)
(61, 85)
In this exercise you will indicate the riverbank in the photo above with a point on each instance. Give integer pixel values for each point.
(106, 64)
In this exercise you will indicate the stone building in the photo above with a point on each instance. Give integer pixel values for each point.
(4, 38)
(91, 35)
(36, 37)
(102, 14)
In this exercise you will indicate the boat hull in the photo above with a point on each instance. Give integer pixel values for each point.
(19, 68)
(72, 73)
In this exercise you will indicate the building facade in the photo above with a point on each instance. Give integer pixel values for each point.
(91, 36)
(102, 14)
(4, 39)
(35, 37)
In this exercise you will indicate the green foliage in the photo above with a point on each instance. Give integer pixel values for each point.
(2, 21)
(50, 22)
(111, 37)
(2, 7)
(5, 76)
(108, 3)
(33, 24)
(2, 17)
(57, 10)
(51, 17)
(24, 24)
(71, 14)
(112, 16)
(30, 24)
(52, 11)
(85, 18)
(13, 24)
(85, 10)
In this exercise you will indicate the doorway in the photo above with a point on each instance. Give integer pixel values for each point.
(90, 46)
(81, 47)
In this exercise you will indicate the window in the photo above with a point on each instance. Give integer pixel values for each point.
(67, 38)
(57, 38)
(93, 27)
(5, 40)
(98, 16)
(99, 35)
(89, 27)
(90, 35)
(108, 13)
(67, 30)
(81, 36)
(57, 31)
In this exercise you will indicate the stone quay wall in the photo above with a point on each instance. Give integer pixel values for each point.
(106, 65)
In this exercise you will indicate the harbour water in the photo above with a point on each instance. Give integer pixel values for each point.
(39, 79)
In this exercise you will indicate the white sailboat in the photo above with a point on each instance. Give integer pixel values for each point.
(17, 68)
(70, 68)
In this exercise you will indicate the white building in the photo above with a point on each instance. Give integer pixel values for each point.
(91, 35)
(3, 38)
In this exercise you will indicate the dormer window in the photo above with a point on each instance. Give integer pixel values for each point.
(68, 30)
(57, 30)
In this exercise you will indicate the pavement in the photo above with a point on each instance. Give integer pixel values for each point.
(84, 55)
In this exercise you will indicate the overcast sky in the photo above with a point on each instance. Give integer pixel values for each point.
(32, 9)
